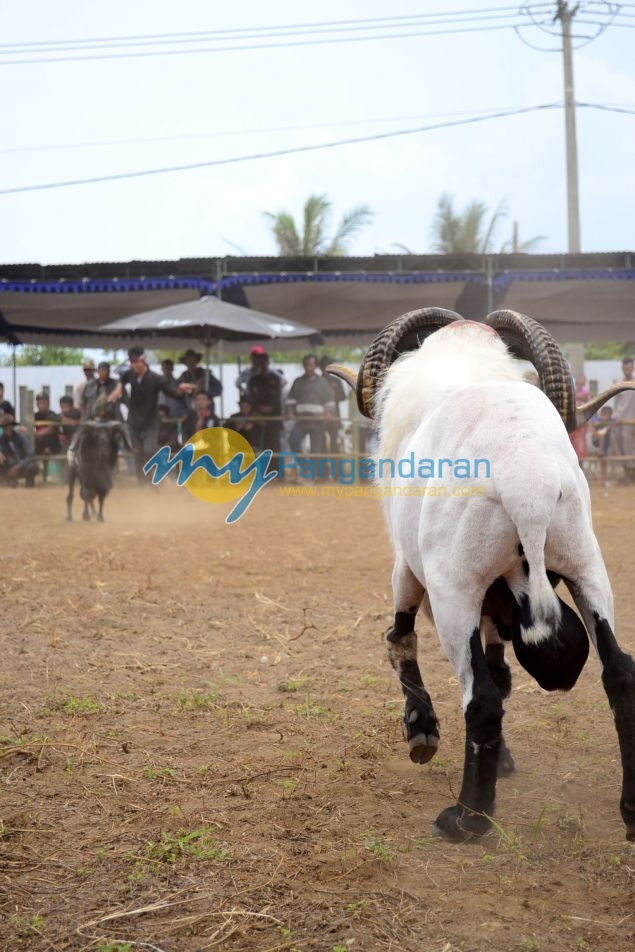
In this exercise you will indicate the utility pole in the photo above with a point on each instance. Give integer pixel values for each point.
(565, 14)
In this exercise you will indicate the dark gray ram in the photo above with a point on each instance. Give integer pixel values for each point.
(92, 457)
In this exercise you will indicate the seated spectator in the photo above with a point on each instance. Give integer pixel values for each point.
(243, 423)
(202, 417)
(100, 399)
(5, 406)
(47, 430)
(17, 459)
(71, 418)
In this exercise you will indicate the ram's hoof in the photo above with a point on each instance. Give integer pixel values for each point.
(460, 825)
(627, 810)
(422, 748)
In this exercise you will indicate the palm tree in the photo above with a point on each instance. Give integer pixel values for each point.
(313, 240)
(472, 231)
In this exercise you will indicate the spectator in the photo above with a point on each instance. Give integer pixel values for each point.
(333, 426)
(17, 459)
(311, 402)
(243, 423)
(89, 374)
(100, 400)
(198, 375)
(6, 408)
(603, 426)
(177, 406)
(47, 431)
(579, 437)
(242, 380)
(203, 416)
(264, 389)
(70, 417)
(625, 413)
(176, 409)
(143, 419)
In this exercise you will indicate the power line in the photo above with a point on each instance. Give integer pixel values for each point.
(312, 26)
(229, 133)
(260, 130)
(296, 150)
(143, 54)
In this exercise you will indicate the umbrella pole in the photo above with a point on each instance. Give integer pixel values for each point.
(15, 381)
(220, 377)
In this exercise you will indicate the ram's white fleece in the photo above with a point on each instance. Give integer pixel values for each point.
(456, 356)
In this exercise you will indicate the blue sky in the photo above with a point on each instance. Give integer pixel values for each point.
(73, 120)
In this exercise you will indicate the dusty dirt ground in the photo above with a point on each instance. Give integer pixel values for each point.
(201, 746)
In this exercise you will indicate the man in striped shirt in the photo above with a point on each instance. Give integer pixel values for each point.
(311, 402)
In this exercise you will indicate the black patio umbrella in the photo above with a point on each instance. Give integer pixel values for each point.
(209, 321)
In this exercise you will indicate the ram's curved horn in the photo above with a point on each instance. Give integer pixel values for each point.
(344, 373)
(586, 410)
(529, 340)
(404, 334)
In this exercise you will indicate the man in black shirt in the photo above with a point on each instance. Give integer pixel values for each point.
(143, 418)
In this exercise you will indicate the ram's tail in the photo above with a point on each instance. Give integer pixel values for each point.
(549, 639)
(539, 608)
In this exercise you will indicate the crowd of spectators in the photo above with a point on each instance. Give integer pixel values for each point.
(162, 410)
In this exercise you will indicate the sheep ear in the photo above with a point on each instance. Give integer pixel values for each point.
(345, 374)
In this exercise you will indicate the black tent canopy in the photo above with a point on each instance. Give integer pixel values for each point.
(579, 298)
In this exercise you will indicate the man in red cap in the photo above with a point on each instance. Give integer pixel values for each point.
(242, 381)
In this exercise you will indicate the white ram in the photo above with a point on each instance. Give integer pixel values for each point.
(486, 566)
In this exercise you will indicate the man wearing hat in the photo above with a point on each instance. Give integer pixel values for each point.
(89, 374)
(198, 375)
(143, 418)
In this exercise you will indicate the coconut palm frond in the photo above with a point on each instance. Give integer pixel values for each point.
(312, 239)
(285, 233)
(315, 213)
(351, 221)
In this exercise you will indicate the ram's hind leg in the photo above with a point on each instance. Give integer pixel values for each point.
(421, 725)
(458, 628)
(502, 677)
(594, 601)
